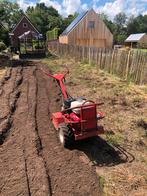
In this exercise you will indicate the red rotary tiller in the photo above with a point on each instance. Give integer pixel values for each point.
(78, 117)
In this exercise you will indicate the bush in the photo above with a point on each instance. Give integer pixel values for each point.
(52, 35)
(38, 46)
(4, 36)
(2, 46)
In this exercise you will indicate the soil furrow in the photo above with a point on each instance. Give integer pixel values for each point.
(26, 171)
(11, 102)
(6, 77)
(69, 175)
(39, 142)
(37, 179)
(12, 165)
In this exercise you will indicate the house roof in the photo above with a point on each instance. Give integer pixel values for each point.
(135, 37)
(24, 16)
(32, 33)
(74, 23)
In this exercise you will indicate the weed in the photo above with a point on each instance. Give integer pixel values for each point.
(143, 160)
(85, 61)
(102, 183)
(114, 139)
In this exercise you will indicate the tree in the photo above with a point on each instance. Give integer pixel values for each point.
(132, 25)
(66, 21)
(10, 13)
(4, 36)
(107, 22)
(43, 17)
(120, 19)
(137, 24)
(120, 29)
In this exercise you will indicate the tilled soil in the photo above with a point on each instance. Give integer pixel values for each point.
(32, 161)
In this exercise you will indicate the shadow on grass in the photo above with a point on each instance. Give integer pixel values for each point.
(100, 153)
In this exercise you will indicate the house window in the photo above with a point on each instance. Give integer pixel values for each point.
(25, 25)
(91, 24)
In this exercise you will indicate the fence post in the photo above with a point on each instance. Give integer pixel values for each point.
(89, 55)
(127, 67)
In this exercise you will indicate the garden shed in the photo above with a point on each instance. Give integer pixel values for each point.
(137, 40)
(24, 25)
(87, 29)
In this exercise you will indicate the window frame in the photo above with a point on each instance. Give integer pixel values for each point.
(91, 24)
(25, 25)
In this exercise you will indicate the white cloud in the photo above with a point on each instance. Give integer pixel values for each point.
(54, 4)
(144, 13)
(70, 6)
(130, 7)
(24, 4)
(84, 7)
(111, 8)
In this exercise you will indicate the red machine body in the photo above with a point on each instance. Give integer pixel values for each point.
(82, 125)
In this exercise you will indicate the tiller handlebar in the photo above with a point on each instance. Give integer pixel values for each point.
(59, 78)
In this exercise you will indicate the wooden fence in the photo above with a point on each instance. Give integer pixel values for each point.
(129, 65)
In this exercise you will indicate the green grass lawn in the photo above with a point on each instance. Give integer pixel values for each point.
(139, 49)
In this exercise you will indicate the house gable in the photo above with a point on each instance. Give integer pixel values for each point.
(76, 22)
(100, 30)
(24, 25)
(20, 25)
(87, 30)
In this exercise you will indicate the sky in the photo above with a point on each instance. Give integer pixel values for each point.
(109, 7)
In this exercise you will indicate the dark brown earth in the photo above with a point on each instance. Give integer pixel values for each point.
(32, 161)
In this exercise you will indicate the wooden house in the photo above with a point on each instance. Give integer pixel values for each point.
(87, 30)
(137, 40)
(24, 25)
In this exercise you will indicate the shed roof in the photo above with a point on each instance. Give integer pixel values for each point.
(135, 37)
(74, 23)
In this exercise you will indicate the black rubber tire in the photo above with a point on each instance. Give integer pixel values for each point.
(66, 135)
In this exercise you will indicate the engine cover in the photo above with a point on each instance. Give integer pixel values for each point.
(77, 103)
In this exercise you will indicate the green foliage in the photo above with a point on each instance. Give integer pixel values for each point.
(102, 182)
(2, 46)
(66, 21)
(45, 18)
(38, 44)
(114, 138)
(107, 22)
(52, 35)
(137, 24)
(120, 19)
(120, 28)
(4, 36)
(10, 13)
(120, 38)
